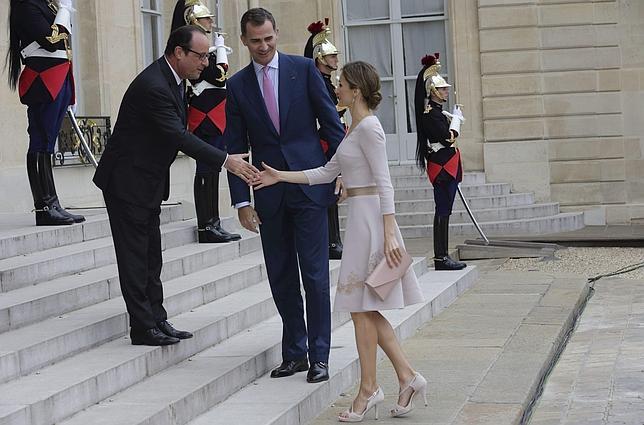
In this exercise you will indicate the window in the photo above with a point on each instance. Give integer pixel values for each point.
(152, 30)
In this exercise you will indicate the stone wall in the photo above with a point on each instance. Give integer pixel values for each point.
(556, 77)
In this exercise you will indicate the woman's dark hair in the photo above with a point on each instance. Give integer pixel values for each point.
(12, 59)
(256, 17)
(363, 76)
(182, 37)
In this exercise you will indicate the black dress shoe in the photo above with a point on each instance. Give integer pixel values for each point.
(151, 337)
(167, 329)
(290, 367)
(62, 211)
(446, 263)
(318, 372)
(214, 233)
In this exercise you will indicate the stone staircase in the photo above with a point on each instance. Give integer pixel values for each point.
(498, 211)
(65, 357)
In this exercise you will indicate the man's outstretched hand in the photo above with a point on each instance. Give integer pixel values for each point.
(237, 164)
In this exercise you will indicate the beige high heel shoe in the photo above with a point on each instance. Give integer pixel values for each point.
(418, 385)
(373, 401)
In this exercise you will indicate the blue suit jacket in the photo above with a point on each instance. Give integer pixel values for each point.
(303, 104)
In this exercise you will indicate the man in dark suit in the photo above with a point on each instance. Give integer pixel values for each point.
(272, 108)
(134, 174)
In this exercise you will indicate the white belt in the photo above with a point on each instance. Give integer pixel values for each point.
(435, 147)
(34, 50)
(198, 88)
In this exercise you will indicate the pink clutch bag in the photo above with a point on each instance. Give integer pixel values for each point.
(383, 278)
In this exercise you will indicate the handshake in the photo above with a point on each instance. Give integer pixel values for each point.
(456, 118)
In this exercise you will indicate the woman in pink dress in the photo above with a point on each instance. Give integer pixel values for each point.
(371, 235)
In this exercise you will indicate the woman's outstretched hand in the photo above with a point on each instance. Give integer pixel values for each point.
(268, 177)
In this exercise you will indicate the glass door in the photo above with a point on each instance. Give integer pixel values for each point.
(394, 35)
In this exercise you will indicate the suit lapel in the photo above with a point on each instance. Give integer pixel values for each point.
(286, 82)
(172, 85)
(254, 95)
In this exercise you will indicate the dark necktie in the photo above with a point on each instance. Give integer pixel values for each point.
(181, 90)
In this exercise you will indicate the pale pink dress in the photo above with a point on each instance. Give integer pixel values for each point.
(362, 160)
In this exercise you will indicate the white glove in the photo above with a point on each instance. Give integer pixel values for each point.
(219, 40)
(67, 4)
(64, 15)
(456, 112)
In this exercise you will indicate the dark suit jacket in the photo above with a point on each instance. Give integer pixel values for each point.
(149, 132)
(303, 104)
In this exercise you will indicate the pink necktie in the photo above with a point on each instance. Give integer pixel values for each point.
(269, 99)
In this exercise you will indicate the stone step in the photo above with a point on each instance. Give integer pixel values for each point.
(421, 179)
(192, 387)
(478, 203)
(31, 304)
(27, 349)
(23, 237)
(40, 266)
(472, 191)
(482, 216)
(298, 401)
(65, 388)
(33, 268)
(562, 222)
(411, 170)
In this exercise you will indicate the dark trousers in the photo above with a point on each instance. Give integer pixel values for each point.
(137, 242)
(216, 141)
(444, 194)
(45, 120)
(298, 231)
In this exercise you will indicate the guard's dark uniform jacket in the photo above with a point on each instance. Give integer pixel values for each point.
(444, 164)
(207, 111)
(334, 98)
(42, 78)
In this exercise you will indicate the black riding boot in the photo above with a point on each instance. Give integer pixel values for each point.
(47, 167)
(206, 192)
(46, 214)
(442, 261)
(335, 243)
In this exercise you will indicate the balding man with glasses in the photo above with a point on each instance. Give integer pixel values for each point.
(134, 175)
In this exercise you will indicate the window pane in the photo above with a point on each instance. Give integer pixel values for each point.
(151, 34)
(420, 39)
(358, 10)
(385, 111)
(414, 8)
(410, 86)
(372, 44)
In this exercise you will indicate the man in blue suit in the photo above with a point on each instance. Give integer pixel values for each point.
(278, 108)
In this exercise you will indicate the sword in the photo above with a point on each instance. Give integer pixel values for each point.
(469, 211)
(88, 152)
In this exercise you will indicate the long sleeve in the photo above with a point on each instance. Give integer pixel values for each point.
(236, 140)
(324, 174)
(373, 145)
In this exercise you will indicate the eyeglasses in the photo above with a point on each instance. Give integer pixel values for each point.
(201, 56)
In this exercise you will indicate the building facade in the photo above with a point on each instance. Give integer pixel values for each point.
(553, 90)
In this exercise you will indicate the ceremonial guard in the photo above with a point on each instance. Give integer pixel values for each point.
(325, 54)
(207, 120)
(435, 152)
(40, 39)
